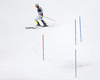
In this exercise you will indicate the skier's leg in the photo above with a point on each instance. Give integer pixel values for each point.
(36, 20)
(38, 24)
(44, 23)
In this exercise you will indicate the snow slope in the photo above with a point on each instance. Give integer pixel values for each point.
(21, 49)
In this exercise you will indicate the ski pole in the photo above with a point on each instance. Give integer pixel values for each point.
(49, 18)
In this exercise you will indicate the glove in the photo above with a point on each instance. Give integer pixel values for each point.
(42, 14)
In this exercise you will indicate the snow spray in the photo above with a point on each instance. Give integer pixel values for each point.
(43, 45)
(75, 32)
(75, 64)
(80, 29)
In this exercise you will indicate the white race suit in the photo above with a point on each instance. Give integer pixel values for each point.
(40, 11)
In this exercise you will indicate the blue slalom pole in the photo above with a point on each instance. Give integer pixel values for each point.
(80, 29)
(75, 64)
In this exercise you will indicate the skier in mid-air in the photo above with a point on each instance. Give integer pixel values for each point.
(40, 16)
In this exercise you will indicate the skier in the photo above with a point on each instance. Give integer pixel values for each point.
(40, 16)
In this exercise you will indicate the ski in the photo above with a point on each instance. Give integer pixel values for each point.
(36, 27)
(29, 27)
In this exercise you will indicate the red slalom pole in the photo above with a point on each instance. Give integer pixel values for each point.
(75, 32)
(43, 45)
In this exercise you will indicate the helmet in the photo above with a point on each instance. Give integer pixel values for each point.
(36, 4)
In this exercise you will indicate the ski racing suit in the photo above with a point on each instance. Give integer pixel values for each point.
(40, 11)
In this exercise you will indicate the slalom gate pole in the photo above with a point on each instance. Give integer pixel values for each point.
(75, 64)
(80, 29)
(43, 45)
(49, 18)
(75, 32)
